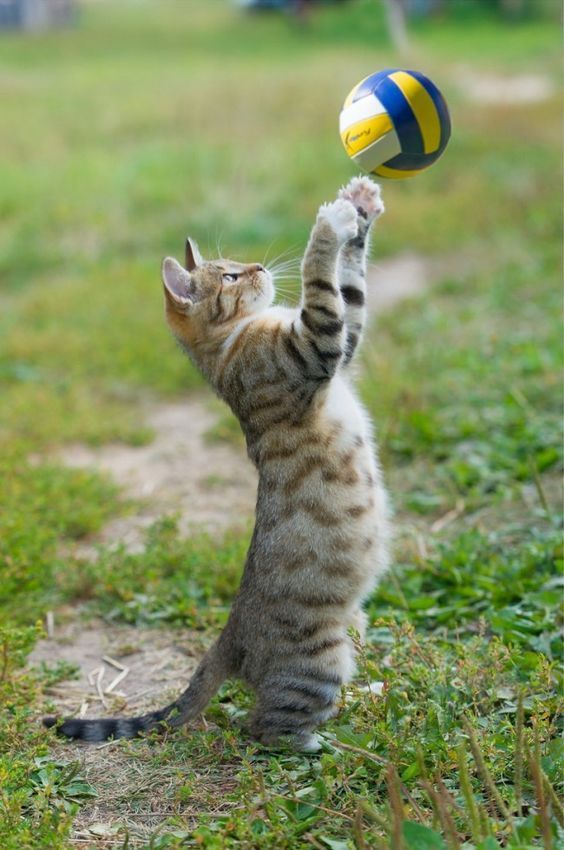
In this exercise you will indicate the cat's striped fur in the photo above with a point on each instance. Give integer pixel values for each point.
(321, 534)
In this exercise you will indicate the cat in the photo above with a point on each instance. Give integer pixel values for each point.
(321, 536)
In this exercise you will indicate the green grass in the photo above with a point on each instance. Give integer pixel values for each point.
(150, 121)
(483, 414)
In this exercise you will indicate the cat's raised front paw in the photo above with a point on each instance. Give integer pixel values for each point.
(365, 196)
(342, 218)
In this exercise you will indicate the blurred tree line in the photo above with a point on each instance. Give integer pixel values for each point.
(398, 11)
(508, 9)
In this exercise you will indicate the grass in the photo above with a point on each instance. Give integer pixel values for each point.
(147, 122)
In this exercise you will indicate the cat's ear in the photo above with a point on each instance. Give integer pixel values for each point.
(193, 258)
(176, 281)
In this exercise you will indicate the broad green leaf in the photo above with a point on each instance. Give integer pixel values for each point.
(488, 844)
(410, 771)
(419, 837)
(334, 843)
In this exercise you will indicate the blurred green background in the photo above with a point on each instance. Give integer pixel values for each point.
(152, 120)
(147, 121)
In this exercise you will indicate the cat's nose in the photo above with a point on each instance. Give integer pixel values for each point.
(258, 267)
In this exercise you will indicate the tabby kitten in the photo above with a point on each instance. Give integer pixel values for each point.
(321, 535)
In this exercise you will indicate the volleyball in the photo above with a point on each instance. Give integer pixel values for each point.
(395, 123)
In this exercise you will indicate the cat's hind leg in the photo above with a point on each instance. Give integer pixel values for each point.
(364, 194)
(290, 707)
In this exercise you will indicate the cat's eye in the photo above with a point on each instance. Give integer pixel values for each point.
(230, 278)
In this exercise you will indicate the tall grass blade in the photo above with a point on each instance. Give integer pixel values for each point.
(484, 772)
(536, 774)
(439, 803)
(555, 801)
(468, 794)
(392, 781)
(518, 780)
(358, 831)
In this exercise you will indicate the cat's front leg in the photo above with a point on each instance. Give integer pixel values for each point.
(365, 196)
(316, 339)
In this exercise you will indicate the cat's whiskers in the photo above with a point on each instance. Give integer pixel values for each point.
(284, 274)
(284, 266)
(282, 253)
(281, 287)
(267, 252)
(289, 274)
(282, 259)
(286, 291)
(284, 269)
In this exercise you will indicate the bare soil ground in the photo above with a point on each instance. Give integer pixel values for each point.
(120, 668)
(211, 486)
(499, 90)
(136, 791)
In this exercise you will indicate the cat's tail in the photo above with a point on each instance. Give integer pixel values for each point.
(210, 674)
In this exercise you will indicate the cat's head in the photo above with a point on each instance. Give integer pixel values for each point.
(203, 296)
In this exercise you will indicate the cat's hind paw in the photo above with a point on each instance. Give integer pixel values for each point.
(365, 195)
(341, 216)
(306, 742)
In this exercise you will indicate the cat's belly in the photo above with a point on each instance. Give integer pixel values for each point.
(342, 408)
(333, 547)
(322, 516)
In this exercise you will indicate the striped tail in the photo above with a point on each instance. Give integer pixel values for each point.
(210, 674)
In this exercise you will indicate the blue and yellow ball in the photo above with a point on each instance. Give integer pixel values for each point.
(395, 123)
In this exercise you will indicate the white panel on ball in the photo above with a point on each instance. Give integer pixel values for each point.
(378, 152)
(367, 107)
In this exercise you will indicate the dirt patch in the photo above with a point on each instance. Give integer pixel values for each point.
(211, 486)
(157, 663)
(391, 281)
(136, 789)
(499, 90)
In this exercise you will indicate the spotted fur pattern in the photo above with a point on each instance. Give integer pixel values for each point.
(321, 535)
